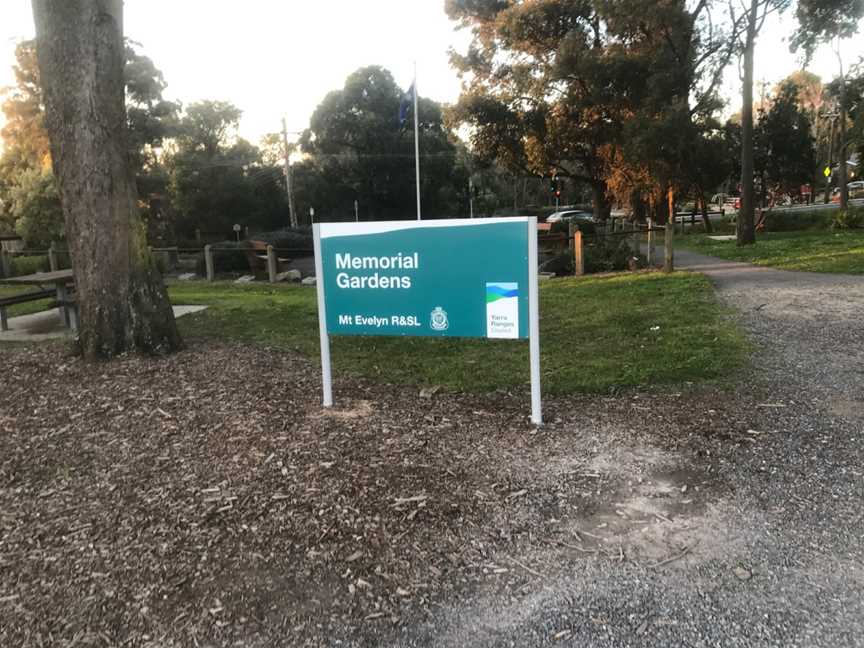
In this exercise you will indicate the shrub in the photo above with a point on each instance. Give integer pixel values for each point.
(24, 265)
(602, 254)
(292, 240)
(607, 253)
(228, 257)
(846, 219)
(790, 221)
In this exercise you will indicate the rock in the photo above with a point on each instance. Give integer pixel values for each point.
(187, 276)
(743, 573)
(245, 279)
(308, 281)
(429, 392)
(542, 276)
(289, 275)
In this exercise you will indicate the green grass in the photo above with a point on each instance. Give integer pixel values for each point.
(25, 308)
(596, 335)
(836, 252)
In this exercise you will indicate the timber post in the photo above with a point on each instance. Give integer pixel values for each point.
(208, 261)
(271, 264)
(578, 254)
(52, 258)
(668, 262)
(5, 264)
(651, 243)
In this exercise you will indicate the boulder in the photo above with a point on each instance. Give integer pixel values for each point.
(245, 279)
(308, 281)
(289, 275)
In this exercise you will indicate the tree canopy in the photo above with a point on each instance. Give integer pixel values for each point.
(355, 142)
(605, 93)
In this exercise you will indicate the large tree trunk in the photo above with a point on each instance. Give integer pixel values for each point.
(709, 229)
(602, 204)
(746, 228)
(121, 298)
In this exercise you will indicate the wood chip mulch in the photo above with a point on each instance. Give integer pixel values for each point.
(207, 499)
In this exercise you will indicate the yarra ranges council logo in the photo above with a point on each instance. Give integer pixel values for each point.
(438, 319)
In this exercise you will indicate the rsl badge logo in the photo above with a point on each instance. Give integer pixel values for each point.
(438, 319)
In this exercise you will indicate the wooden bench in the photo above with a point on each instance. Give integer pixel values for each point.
(256, 255)
(22, 298)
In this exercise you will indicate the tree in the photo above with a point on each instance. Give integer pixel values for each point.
(752, 19)
(603, 93)
(821, 21)
(357, 145)
(26, 150)
(34, 204)
(122, 300)
(218, 179)
(785, 143)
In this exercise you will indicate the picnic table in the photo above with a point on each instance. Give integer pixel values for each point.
(61, 280)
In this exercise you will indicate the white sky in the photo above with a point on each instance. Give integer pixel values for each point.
(280, 57)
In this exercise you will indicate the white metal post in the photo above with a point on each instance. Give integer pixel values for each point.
(534, 323)
(326, 376)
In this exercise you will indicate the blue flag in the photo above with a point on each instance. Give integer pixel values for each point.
(405, 105)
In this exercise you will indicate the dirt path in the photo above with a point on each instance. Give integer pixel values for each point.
(205, 499)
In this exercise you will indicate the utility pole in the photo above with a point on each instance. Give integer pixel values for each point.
(827, 197)
(289, 185)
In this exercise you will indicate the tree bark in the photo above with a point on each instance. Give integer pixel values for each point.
(746, 225)
(709, 229)
(121, 297)
(602, 205)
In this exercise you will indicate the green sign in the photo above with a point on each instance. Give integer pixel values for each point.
(460, 278)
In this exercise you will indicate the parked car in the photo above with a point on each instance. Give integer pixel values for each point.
(570, 215)
(856, 190)
(725, 201)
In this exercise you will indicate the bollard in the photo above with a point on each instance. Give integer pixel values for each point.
(669, 263)
(271, 263)
(52, 258)
(578, 254)
(571, 232)
(5, 264)
(208, 262)
(651, 251)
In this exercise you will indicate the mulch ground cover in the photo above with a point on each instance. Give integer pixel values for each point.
(207, 499)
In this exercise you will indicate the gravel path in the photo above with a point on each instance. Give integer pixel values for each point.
(774, 557)
(206, 500)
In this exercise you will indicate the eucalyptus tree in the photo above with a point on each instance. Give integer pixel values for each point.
(121, 297)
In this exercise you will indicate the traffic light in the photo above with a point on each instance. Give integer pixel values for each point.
(555, 187)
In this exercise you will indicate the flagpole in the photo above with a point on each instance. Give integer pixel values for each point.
(416, 142)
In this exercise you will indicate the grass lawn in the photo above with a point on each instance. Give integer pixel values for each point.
(840, 252)
(596, 334)
(27, 307)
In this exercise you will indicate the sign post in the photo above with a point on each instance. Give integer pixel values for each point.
(440, 278)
